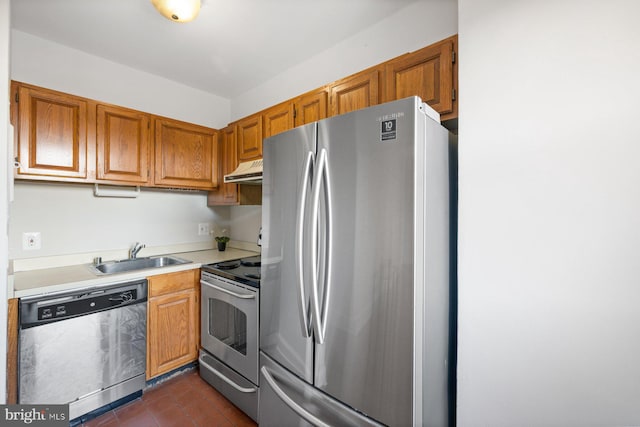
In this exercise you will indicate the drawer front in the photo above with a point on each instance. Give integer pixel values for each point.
(172, 282)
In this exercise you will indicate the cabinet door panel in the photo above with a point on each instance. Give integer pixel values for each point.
(123, 145)
(249, 138)
(185, 155)
(278, 119)
(427, 73)
(355, 92)
(173, 282)
(311, 108)
(52, 137)
(226, 194)
(171, 340)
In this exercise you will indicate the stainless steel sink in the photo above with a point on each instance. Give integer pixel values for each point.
(125, 265)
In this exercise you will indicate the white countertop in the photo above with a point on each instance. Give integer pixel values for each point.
(49, 280)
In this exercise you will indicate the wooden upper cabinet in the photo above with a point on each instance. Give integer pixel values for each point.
(429, 73)
(123, 141)
(310, 107)
(249, 138)
(355, 92)
(232, 194)
(52, 134)
(278, 119)
(186, 155)
(225, 194)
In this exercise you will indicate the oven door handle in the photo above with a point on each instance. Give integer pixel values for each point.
(227, 380)
(235, 294)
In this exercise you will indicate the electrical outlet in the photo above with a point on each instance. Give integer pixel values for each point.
(203, 229)
(31, 241)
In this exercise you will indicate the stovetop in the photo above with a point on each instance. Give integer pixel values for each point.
(243, 270)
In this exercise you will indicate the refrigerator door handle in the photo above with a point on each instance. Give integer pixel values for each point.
(321, 180)
(299, 248)
(308, 416)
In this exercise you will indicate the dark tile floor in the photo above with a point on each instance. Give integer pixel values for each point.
(185, 400)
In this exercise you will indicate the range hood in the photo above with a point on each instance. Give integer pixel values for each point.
(246, 173)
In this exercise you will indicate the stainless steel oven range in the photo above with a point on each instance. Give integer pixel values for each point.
(229, 330)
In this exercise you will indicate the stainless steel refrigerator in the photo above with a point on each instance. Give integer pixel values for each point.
(354, 318)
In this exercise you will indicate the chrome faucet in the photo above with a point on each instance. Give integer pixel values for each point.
(133, 252)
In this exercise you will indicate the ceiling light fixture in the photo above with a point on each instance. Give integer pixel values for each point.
(178, 10)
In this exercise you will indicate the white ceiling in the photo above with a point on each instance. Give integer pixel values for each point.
(233, 45)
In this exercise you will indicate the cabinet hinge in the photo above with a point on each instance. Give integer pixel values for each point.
(453, 94)
(17, 96)
(295, 113)
(453, 56)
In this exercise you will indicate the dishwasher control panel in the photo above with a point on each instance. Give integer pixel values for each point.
(37, 311)
(85, 305)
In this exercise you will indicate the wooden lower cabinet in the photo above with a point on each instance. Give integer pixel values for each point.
(12, 351)
(173, 321)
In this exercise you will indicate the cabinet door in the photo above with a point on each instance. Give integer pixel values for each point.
(52, 135)
(250, 138)
(226, 194)
(123, 145)
(427, 73)
(355, 92)
(171, 340)
(185, 155)
(13, 325)
(278, 119)
(310, 108)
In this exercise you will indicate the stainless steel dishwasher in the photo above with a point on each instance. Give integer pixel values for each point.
(86, 348)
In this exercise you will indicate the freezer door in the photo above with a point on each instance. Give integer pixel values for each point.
(286, 400)
(285, 324)
(364, 357)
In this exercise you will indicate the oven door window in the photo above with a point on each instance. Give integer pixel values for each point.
(228, 324)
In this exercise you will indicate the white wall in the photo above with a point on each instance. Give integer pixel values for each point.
(413, 27)
(71, 220)
(246, 223)
(4, 120)
(44, 63)
(549, 211)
